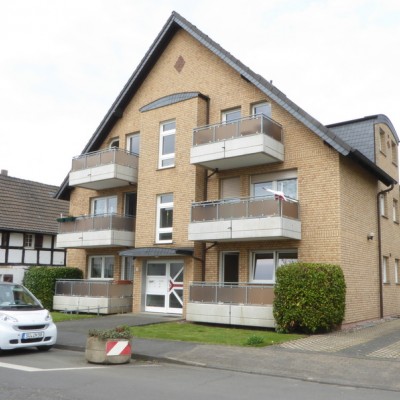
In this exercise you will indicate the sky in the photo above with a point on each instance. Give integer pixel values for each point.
(64, 62)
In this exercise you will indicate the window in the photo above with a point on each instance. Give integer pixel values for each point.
(38, 241)
(230, 188)
(265, 263)
(28, 240)
(382, 204)
(231, 115)
(287, 186)
(127, 268)
(262, 108)
(394, 153)
(165, 209)
(4, 239)
(133, 143)
(101, 267)
(396, 271)
(395, 210)
(130, 204)
(382, 141)
(104, 205)
(385, 270)
(114, 144)
(167, 144)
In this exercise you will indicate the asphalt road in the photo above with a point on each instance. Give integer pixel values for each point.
(65, 375)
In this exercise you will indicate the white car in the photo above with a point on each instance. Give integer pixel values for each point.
(23, 320)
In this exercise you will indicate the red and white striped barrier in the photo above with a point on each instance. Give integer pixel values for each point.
(118, 348)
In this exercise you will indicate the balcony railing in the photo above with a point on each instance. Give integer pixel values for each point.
(91, 296)
(231, 293)
(259, 124)
(104, 157)
(102, 222)
(92, 288)
(250, 207)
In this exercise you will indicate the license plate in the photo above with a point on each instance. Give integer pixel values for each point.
(32, 335)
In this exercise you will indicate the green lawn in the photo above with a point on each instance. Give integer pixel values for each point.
(189, 332)
(60, 316)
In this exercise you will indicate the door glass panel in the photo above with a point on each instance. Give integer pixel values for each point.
(176, 272)
(231, 267)
(158, 269)
(95, 267)
(134, 142)
(231, 115)
(260, 189)
(264, 108)
(176, 299)
(288, 187)
(155, 300)
(109, 267)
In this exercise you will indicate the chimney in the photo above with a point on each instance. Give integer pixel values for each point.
(4, 172)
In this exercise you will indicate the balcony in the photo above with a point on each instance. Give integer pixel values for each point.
(91, 296)
(108, 230)
(232, 304)
(105, 169)
(252, 218)
(244, 142)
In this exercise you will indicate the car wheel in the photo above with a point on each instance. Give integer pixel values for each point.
(44, 348)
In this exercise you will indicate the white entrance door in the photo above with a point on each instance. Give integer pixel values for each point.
(164, 286)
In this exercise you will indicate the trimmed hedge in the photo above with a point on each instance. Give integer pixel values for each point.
(309, 297)
(41, 281)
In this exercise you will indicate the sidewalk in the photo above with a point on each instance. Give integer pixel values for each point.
(368, 356)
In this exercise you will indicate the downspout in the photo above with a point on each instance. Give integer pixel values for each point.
(205, 194)
(380, 248)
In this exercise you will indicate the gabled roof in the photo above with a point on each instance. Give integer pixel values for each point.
(27, 206)
(173, 24)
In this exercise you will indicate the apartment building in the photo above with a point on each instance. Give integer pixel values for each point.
(203, 178)
(28, 226)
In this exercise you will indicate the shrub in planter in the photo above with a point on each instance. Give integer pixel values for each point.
(109, 346)
(309, 297)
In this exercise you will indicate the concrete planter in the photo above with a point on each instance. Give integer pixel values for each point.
(108, 351)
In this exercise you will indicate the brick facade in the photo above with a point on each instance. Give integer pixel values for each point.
(337, 196)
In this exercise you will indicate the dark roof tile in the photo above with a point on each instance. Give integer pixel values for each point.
(27, 206)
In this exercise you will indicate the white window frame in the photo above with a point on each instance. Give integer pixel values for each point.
(107, 199)
(29, 241)
(254, 106)
(396, 271)
(274, 178)
(385, 271)
(225, 115)
(164, 206)
(275, 258)
(129, 142)
(382, 204)
(163, 135)
(395, 210)
(103, 263)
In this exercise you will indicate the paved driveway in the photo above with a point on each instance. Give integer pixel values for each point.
(375, 340)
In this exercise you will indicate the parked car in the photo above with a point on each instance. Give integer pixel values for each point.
(23, 320)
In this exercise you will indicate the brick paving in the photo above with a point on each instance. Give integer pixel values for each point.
(373, 339)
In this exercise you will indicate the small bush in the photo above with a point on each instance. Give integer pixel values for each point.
(255, 340)
(41, 281)
(309, 298)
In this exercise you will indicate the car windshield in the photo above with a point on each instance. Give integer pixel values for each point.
(17, 297)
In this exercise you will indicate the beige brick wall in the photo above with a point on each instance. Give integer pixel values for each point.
(337, 198)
